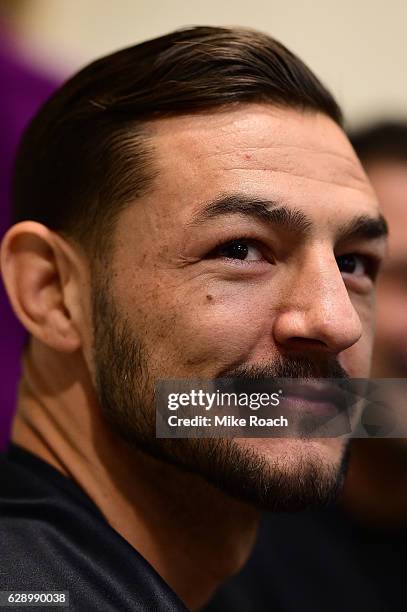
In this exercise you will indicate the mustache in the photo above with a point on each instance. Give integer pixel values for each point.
(288, 367)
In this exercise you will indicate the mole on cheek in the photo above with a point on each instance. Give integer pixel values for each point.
(209, 297)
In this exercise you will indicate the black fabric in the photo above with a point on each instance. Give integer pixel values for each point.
(319, 562)
(52, 537)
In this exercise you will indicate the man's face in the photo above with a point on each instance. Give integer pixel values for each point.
(390, 355)
(255, 248)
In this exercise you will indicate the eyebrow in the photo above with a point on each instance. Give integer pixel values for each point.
(274, 212)
(271, 211)
(365, 228)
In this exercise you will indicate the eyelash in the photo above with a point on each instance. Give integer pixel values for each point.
(248, 239)
(371, 262)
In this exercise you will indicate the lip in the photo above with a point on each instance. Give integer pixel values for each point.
(322, 406)
(320, 398)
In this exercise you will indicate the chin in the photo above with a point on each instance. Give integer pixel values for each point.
(275, 474)
(290, 474)
(329, 451)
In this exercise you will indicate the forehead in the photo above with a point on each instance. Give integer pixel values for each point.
(303, 158)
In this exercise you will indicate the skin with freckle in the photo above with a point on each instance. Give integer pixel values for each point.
(212, 315)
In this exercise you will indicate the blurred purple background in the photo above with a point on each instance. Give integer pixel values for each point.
(23, 89)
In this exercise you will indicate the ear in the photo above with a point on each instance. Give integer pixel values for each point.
(37, 270)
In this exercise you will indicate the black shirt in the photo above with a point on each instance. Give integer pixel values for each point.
(320, 561)
(54, 538)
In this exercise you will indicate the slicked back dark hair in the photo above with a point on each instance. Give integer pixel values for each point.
(381, 141)
(86, 154)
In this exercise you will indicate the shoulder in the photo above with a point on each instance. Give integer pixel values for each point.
(54, 539)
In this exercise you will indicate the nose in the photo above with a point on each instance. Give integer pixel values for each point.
(316, 310)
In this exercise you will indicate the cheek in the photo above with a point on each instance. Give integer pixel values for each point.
(357, 358)
(208, 330)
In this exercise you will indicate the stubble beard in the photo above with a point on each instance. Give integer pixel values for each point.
(298, 478)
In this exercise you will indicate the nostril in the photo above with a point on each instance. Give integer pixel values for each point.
(306, 342)
(300, 345)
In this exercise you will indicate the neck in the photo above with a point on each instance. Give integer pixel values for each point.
(191, 533)
(375, 491)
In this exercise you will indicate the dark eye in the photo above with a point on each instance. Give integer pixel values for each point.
(239, 249)
(357, 265)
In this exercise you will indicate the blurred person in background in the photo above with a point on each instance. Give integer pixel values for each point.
(376, 487)
(352, 557)
(174, 205)
(23, 89)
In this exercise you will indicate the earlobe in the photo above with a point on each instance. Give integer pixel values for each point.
(34, 273)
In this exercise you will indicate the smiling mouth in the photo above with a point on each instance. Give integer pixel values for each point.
(301, 405)
(314, 398)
